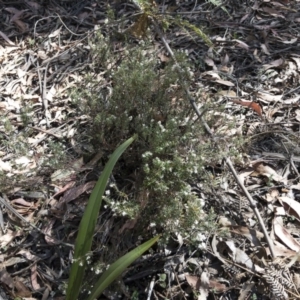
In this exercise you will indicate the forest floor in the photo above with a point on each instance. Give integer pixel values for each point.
(244, 56)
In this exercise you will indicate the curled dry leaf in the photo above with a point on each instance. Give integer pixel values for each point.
(240, 257)
(275, 63)
(268, 172)
(241, 44)
(34, 277)
(252, 235)
(48, 232)
(284, 235)
(281, 250)
(291, 207)
(266, 97)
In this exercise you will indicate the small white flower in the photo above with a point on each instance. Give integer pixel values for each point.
(200, 237)
(202, 246)
(202, 202)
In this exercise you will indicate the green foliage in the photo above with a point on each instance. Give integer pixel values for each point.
(145, 98)
(195, 29)
(85, 238)
(26, 115)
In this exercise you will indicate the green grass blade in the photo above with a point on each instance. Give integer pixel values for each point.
(87, 225)
(118, 267)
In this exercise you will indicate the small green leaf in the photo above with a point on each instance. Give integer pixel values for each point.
(118, 267)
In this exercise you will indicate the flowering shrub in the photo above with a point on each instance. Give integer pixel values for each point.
(144, 96)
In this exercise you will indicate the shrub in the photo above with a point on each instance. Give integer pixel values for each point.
(137, 94)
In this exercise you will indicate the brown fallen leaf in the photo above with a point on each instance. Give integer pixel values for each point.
(193, 281)
(252, 235)
(284, 235)
(281, 250)
(75, 192)
(34, 276)
(250, 104)
(139, 28)
(20, 288)
(217, 287)
(162, 57)
(267, 171)
(274, 64)
(291, 207)
(129, 224)
(195, 284)
(48, 234)
(6, 278)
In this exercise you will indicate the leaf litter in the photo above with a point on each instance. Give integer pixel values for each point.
(252, 69)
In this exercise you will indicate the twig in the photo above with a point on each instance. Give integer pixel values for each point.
(44, 96)
(227, 159)
(76, 34)
(252, 205)
(150, 290)
(52, 130)
(9, 207)
(46, 131)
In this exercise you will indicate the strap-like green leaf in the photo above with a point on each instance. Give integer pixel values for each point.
(118, 267)
(87, 225)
